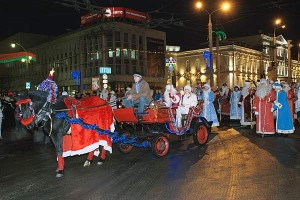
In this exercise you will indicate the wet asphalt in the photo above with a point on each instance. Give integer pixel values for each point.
(235, 164)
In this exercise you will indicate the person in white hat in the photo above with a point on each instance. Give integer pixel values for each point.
(140, 94)
(224, 100)
(64, 93)
(263, 102)
(189, 99)
(171, 96)
(284, 121)
(209, 111)
(235, 110)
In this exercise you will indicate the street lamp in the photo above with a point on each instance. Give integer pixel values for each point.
(224, 7)
(277, 25)
(27, 58)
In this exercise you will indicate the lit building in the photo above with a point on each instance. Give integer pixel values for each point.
(124, 48)
(236, 62)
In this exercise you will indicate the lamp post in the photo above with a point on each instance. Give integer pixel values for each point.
(225, 7)
(277, 23)
(298, 53)
(27, 58)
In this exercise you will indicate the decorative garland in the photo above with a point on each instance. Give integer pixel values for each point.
(116, 138)
(50, 87)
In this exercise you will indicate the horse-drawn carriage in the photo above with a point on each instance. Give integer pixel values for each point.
(157, 123)
(91, 122)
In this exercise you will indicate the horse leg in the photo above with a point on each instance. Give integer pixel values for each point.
(102, 156)
(60, 166)
(89, 159)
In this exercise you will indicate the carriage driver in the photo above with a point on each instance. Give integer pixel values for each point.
(188, 100)
(140, 94)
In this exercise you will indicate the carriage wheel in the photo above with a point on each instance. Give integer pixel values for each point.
(200, 135)
(125, 148)
(160, 146)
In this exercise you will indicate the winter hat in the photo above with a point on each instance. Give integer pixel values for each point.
(206, 85)
(276, 85)
(138, 74)
(263, 81)
(187, 87)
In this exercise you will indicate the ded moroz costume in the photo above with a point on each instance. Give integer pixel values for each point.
(209, 111)
(246, 101)
(224, 99)
(284, 121)
(291, 97)
(263, 100)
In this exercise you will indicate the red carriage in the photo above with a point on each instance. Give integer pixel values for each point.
(156, 125)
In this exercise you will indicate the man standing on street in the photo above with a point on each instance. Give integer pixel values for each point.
(263, 102)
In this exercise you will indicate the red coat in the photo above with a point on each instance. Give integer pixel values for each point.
(264, 116)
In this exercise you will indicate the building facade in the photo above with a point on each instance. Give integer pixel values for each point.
(234, 64)
(122, 47)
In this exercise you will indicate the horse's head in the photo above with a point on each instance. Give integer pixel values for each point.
(30, 104)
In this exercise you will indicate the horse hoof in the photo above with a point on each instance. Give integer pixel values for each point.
(100, 162)
(60, 173)
(87, 163)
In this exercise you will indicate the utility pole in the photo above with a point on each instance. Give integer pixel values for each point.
(289, 61)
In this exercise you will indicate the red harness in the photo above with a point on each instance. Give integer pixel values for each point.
(30, 119)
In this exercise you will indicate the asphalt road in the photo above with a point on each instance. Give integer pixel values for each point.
(236, 164)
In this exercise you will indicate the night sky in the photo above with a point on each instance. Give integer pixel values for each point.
(187, 29)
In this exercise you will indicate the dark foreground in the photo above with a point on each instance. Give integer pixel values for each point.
(236, 164)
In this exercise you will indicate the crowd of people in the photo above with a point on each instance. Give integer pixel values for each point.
(271, 106)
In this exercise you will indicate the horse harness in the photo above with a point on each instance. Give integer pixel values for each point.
(38, 119)
(45, 112)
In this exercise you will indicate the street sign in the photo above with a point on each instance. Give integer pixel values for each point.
(105, 70)
(28, 85)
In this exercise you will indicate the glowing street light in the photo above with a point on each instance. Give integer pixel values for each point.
(27, 58)
(225, 6)
(277, 24)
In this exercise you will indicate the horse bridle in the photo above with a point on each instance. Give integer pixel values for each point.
(30, 119)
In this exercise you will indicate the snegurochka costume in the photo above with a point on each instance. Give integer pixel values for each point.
(284, 121)
(209, 111)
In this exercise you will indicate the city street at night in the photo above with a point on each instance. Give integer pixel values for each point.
(149, 100)
(235, 164)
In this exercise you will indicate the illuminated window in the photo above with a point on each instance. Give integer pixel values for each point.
(118, 52)
(133, 54)
(125, 53)
(110, 53)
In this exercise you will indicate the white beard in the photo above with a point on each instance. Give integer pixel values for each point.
(263, 90)
(245, 91)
